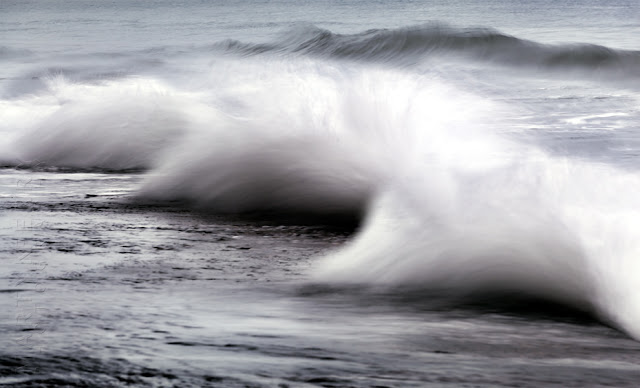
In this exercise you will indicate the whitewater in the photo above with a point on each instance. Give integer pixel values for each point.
(480, 167)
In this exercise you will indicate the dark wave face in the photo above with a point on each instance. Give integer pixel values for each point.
(414, 44)
(410, 48)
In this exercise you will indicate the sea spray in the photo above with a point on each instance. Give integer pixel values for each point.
(114, 125)
(452, 203)
(553, 228)
(311, 139)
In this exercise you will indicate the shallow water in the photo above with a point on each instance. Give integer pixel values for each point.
(107, 291)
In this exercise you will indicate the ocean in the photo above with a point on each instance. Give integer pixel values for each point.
(204, 193)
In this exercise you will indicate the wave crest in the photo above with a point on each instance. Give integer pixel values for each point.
(114, 125)
(412, 45)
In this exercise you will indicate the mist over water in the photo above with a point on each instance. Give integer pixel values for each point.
(481, 158)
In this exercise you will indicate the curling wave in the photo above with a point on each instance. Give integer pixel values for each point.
(450, 203)
(535, 226)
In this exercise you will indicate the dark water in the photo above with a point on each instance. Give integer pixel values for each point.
(103, 291)
(335, 194)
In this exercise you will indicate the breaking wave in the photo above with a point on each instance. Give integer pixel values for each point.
(115, 125)
(451, 202)
(534, 225)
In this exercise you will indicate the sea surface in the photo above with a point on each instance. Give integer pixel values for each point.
(334, 193)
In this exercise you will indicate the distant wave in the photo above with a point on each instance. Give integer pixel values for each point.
(412, 44)
(12, 52)
(407, 46)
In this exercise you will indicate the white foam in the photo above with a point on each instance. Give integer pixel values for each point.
(452, 204)
(555, 228)
(119, 124)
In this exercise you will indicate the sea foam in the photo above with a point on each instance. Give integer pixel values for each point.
(110, 125)
(452, 202)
